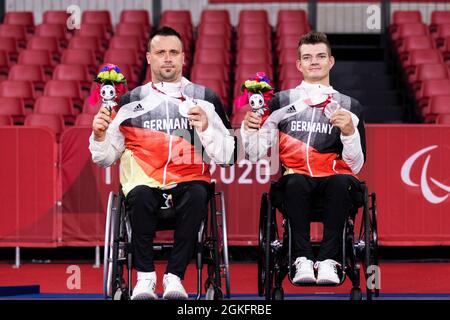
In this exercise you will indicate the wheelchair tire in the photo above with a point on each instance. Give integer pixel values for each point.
(356, 294)
(214, 293)
(261, 247)
(278, 293)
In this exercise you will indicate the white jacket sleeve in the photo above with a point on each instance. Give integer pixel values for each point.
(108, 151)
(257, 143)
(217, 139)
(352, 152)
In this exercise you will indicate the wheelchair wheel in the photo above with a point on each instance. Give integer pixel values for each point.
(109, 239)
(370, 259)
(214, 293)
(278, 293)
(265, 256)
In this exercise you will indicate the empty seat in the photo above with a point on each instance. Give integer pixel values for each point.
(87, 43)
(6, 120)
(102, 17)
(9, 45)
(33, 73)
(215, 30)
(288, 57)
(215, 85)
(422, 56)
(213, 42)
(56, 105)
(132, 29)
(289, 72)
(84, 120)
(437, 18)
(428, 72)
(292, 28)
(402, 17)
(45, 43)
(216, 16)
(408, 30)
(65, 88)
(16, 32)
(432, 88)
(57, 31)
(75, 72)
(287, 42)
(286, 15)
(51, 121)
(179, 16)
(254, 28)
(55, 17)
(253, 56)
(20, 18)
(204, 71)
(80, 56)
(212, 56)
(38, 58)
(18, 89)
(253, 16)
(94, 30)
(128, 42)
(443, 31)
(260, 42)
(413, 43)
(123, 56)
(4, 65)
(436, 106)
(90, 109)
(249, 70)
(289, 84)
(14, 107)
(135, 16)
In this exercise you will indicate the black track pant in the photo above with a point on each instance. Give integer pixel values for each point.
(334, 192)
(190, 200)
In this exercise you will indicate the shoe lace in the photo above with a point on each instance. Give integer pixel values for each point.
(299, 262)
(328, 262)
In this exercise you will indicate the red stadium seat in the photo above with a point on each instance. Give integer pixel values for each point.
(80, 56)
(124, 56)
(212, 56)
(408, 30)
(287, 42)
(253, 16)
(212, 42)
(6, 120)
(102, 17)
(132, 29)
(436, 106)
(33, 73)
(45, 43)
(288, 57)
(9, 45)
(254, 28)
(431, 88)
(57, 31)
(128, 42)
(446, 49)
(260, 42)
(65, 88)
(55, 17)
(84, 120)
(75, 72)
(38, 58)
(437, 18)
(204, 71)
(289, 72)
(90, 109)
(428, 72)
(443, 119)
(18, 89)
(402, 17)
(217, 86)
(253, 56)
(289, 84)
(88, 43)
(292, 28)
(20, 18)
(52, 121)
(216, 16)
(292, 16)
(179, 16)
(13, 107)
(413, 43)
(130, 75)
(16, 32)
(135, 16)
(94, 30)
(214, 29)
(422, 56)
(56, 105)
(443, 31)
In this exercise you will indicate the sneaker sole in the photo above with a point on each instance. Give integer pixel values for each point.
(174, 295)
(306, 279)
(144, 296)
(327, 281)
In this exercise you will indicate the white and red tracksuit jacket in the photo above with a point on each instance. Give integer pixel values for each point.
(154, 141)
(308, 143)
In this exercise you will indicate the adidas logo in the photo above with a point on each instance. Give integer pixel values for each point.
(291, 109)
(138, 108)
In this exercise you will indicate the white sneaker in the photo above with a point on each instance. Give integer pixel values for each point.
(304, 271)
(173, 289)
(145, 286)
(327, 272)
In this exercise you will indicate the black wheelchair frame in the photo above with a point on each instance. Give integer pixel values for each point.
(275, 259)
(211, 249)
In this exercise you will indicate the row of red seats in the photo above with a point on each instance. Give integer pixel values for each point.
(424, 52)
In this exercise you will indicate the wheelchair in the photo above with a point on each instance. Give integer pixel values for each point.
(211, 248)
(275, 259)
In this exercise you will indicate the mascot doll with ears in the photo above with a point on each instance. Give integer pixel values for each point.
(111, 85)
(257, 93)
